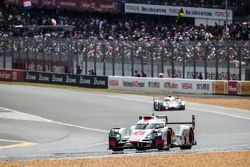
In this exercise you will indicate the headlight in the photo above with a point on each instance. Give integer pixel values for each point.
(118, 137)
(148, 136)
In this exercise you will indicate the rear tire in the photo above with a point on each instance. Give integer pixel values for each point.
(156, 106)
(159, 148)
(117, 149)
(169, 137)
(191, 139)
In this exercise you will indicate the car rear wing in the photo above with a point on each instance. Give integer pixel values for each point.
(192, 122)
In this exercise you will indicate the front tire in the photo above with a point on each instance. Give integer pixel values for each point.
(117, 149)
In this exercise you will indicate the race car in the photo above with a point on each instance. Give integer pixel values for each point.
(167, 103)
(153, 132)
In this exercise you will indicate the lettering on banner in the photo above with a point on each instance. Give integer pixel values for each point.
(114, 83)
(43, 78)
(70, 80)
(133, 84)
(30, 77)
(135, 8)
(219, 87)
(153, 9)
(187, 85)
(84, 80)
(202, 86)
(14, 76)
(197, 12)
(56, 79)
(99, 82)
(170, 85)
(245, 87)
(232, 88)
(5, 75)
(2, 75)
(154, 84)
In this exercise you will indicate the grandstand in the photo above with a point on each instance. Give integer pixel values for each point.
(119, 37)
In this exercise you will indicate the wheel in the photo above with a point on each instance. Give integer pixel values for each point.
(140, 148)
(191, 139)
(183, 107)
(156, 106)
(186, 147)
(117, 149)
(169, 133)
(159, 147)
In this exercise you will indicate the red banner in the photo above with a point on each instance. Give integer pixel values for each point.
(11, 75)
(232, 88)
(79, 5)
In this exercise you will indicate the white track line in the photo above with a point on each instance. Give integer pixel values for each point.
(221, 113)
(17, 115)
(17, 143)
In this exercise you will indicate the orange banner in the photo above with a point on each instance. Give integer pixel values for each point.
(244, 88)
(219, 87)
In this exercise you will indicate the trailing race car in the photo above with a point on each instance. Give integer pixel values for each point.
(169, 102)
(153, 132)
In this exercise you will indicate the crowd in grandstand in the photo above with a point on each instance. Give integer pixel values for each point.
(100, 27)
(89, 26)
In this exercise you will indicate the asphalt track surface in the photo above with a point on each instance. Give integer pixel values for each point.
(42, 123)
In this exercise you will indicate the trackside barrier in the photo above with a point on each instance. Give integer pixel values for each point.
(85, 81)
(195, 86)
(67, 79)
(11, 75)
(161, 84)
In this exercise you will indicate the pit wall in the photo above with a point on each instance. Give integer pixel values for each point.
(175, 85)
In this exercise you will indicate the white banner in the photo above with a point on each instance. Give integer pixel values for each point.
(206, 13)
(161, 84)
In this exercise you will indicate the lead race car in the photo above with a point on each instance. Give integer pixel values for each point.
(167, 103)
(153, 132)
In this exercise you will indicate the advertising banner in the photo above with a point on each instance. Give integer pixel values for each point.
(100, 82)
(11, 75)
(243, 88)
(220, 87)
(205, 13)
(58, 78)
(71, 79)
(232, 87)
(67, 79)
(31, 76)
(160, 84)
(44, 77)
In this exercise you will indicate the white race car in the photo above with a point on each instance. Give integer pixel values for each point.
(153, 132)
(167, 103)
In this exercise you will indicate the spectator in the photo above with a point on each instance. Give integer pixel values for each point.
(136, 74)
(144, 74)
(92, 72)
(78, 70)
(200, 76)
(161, 75)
